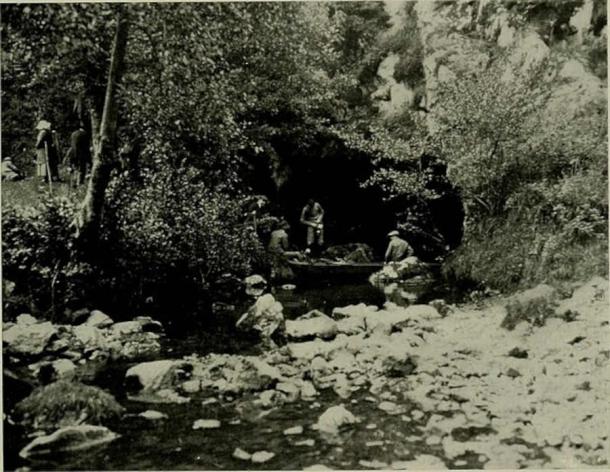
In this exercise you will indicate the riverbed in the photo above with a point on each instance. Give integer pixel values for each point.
(469, 405)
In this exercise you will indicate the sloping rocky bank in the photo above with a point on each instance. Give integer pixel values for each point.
(470, 387)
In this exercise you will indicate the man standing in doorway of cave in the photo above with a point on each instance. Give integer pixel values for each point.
(312, 217)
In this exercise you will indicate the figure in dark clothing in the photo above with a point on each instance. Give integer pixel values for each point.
(78, 157)
(47, 157)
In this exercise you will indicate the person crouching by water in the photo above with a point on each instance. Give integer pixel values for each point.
(398, 249)
(312, 217)
(47, 158)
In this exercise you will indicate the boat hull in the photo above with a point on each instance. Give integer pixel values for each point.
(329, 270)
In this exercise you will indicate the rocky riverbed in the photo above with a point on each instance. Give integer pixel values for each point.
(423, 386)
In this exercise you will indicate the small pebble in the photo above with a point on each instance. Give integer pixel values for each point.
(433, 440)
(209, 401)
(371, 426)
(152, 415)
(262, 456)
(305, 442)
(374, 464)
(417, 414)
(206, 424)
(294, 430)
(374, 443)
(241, 454)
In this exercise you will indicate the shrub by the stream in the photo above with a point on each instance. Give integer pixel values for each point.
(165, 239)
(535, 312)
(64, 403)
(172, 237)
(40, 265)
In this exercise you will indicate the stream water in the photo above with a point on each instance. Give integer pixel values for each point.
(173, 444)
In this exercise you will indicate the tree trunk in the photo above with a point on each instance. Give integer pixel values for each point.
(104, 153)
(95, 127)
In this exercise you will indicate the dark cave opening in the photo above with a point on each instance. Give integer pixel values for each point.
(333, 175)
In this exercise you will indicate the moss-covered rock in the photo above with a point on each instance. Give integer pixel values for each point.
(65, 403)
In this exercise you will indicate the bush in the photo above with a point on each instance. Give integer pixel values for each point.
(165, 239)
(39, 257)
(534, 312)
(173, 237)
(512, 253)
(65, 403)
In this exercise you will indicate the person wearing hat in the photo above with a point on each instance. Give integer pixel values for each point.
(398, 248)
(47, 158)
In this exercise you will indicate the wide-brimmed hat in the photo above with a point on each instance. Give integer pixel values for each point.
(43, 124)
(393, 233)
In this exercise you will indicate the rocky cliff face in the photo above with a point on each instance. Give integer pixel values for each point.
(465, 36)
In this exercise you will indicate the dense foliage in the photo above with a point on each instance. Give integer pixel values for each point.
(42, 271)
(223, 100)
(169, 238)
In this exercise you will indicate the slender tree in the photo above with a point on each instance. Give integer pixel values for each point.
(104, 156)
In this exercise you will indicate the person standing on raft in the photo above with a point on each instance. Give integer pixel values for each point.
(312, 217)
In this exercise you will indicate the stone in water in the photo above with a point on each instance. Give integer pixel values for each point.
(206, 424)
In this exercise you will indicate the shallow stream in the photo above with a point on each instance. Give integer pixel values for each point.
(171, 443)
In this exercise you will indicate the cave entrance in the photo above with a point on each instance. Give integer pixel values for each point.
(333, 175)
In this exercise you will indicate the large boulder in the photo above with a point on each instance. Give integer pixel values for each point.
(149, 325)
(234, 374)
(29, 339)
(126, 327)
(66, 403)
(99, 319)
(133, 347)
(90, 336)
(60, 369)
(422, 312)
(68, 439)
(25, 319)
(410, 267)
(264, 317)
(150, 377)
(334, 419)
(313, 324)
(351, 325)
(360, 310)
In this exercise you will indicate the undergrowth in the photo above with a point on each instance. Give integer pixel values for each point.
(512, 255)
